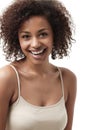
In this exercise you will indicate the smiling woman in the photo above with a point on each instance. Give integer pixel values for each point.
(37, 94)
(36, 39)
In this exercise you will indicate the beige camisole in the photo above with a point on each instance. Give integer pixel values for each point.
(25, 116)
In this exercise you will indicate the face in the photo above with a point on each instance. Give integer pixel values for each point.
(36, 39)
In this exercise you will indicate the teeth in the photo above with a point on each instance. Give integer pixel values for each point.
(37, 52)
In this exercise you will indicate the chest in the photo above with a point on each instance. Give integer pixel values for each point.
(41, 91)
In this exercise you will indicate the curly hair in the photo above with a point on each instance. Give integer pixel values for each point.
(19, 11)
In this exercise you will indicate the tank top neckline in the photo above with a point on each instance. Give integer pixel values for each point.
(43, 107)
(32, 105)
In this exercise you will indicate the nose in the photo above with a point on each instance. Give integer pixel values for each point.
(35, 43)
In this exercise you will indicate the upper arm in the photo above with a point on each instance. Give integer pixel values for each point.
(5, 96)
(71, 87)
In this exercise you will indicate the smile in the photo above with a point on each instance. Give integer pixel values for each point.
(38, 52)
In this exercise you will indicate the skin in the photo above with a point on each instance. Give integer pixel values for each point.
(36, 34)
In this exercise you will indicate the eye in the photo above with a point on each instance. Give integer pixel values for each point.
(26, 37)
(43, 35)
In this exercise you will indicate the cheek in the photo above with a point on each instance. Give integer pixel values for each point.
(51, 40)
(50, 43)
(23, 44)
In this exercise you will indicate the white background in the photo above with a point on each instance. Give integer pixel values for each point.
(76, 61)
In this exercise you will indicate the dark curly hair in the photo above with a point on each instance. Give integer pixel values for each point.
(19, 11)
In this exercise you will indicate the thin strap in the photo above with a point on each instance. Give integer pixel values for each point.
(18, 80)
(62, 84)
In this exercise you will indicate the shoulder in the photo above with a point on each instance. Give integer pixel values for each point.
(7, 81)
(6, 74)
(70, 81)
(68, 75)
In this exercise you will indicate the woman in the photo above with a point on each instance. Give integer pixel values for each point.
(35, 94)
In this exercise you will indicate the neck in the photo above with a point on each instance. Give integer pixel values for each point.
(39, 69)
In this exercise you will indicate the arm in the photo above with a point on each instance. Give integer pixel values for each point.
(5, 96)
(71, 88)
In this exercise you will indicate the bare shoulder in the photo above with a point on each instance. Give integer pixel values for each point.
(70, 82)
(6, 81)
(6, 74)
(68, 75)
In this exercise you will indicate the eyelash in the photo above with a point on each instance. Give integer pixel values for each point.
(41, 35)
(25, 36)
(44, 34)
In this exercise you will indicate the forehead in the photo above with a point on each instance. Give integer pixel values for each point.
(36, 22)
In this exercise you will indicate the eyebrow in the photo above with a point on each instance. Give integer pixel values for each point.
(38, 31)
(42, 29)
(24, 32)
